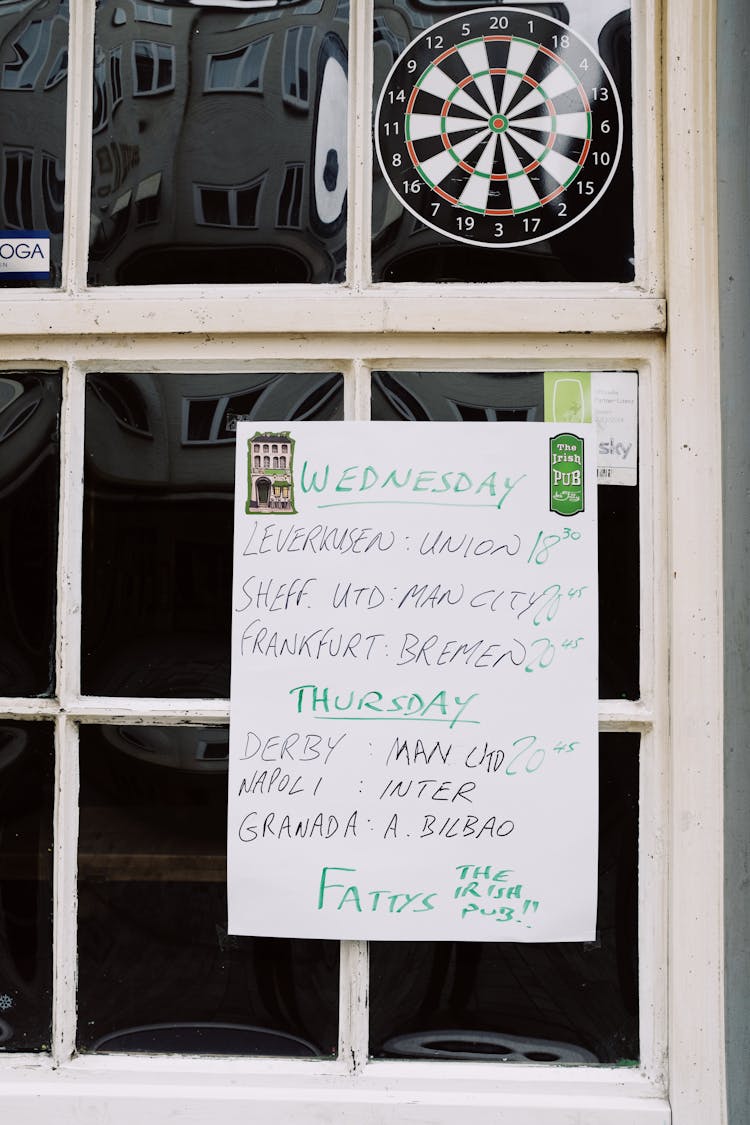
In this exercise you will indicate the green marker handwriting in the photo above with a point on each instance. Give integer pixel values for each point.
(366, 478)
(381, 900)
(327, 703)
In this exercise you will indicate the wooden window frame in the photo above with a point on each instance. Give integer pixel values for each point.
(355, 328)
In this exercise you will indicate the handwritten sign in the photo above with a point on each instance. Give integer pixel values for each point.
(413, 747)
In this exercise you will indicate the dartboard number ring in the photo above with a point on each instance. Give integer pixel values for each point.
(499, 127)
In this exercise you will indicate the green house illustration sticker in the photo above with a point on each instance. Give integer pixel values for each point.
(270, 479)
(566, 493)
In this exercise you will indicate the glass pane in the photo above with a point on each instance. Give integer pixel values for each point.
(572, 1002)
(503, 141)
(518, 396)
(29, 488)
(159, 483)
(157, 970)
(33, 94)
(218, 103)
(26, 796)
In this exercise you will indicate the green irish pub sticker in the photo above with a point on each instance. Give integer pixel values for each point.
(566, 495)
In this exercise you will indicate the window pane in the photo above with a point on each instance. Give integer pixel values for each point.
(26, 795)
(143, 57)
(241, 69)
(214, 207)
(518, 396)
(571, 1002)
(157, 969)
(503, 141)
(33, 93)
(29, 487)
(216, 103)
(159, 481)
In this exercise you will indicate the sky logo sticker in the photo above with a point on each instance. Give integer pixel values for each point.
(566, 494)
(25, 255)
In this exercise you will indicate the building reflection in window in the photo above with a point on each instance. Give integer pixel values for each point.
(26, 796)
(241, 69)
(252, 189)
(17, 190)
(159, 486)
(153, 13)
(30, 49)
(228, 206)
(53, 192)
(518, 396)
(157, 970)
(33, 109)
(29, 486)
(153, 68)
(297, 66)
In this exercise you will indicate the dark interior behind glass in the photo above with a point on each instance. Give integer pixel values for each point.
(157, 970)
(518, 396)
(33, 110)
(26, 796)
(159, 487)
(575, 1002)
(29, 489)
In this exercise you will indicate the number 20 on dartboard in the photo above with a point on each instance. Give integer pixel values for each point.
(499, 127)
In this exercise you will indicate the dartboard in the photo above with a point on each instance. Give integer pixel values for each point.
(499, 127)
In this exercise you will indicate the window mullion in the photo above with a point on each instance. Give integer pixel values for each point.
(70, 532)
(360, 155)
(67, 679)
(65, 893)
(357, 391)
(78, 146)
(647, 145)
(353, 1004)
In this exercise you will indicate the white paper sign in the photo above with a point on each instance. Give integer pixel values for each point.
(413, 748)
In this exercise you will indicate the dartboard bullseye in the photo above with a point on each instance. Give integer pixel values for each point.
(499, 128)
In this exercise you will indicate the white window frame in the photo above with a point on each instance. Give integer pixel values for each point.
(355, 328)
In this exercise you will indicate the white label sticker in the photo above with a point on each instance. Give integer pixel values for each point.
(614, 406)
(25, 254)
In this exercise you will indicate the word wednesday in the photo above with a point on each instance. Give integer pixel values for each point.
(356, 478)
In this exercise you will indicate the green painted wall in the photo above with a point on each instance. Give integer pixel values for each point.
(734, 277)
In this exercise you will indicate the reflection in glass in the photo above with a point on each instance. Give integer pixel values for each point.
(29, 487)
(518, 396)
(521, 155)
(26, 795)
(159, 482)
(228, 126)
(33, 93)
(574, 1002)
(241, 69)
(157, 969)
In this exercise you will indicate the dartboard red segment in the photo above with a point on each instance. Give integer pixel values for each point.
(499, 113)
